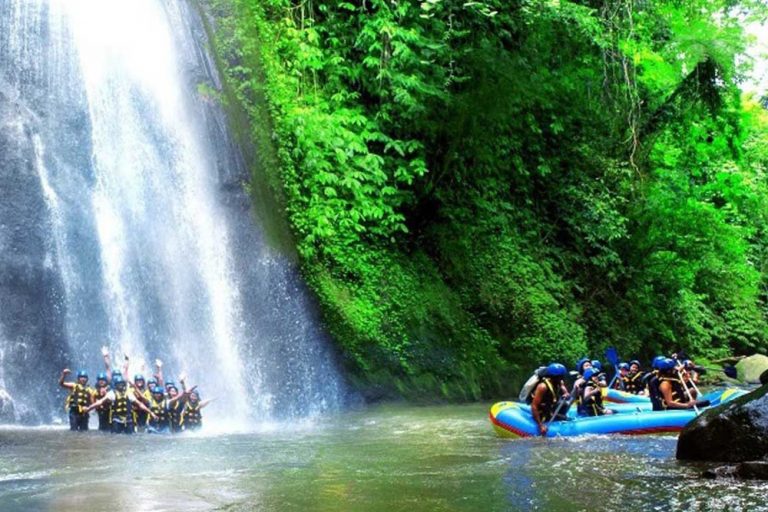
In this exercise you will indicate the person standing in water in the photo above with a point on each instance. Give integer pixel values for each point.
(79, 399)
(122, 401)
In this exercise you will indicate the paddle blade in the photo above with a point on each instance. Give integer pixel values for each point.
(612, 355)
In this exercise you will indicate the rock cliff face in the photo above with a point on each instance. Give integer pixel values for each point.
(736, 431)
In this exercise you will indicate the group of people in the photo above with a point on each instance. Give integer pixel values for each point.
(670, 384)
(127, 406)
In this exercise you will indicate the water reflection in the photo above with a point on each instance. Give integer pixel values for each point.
(384, 459)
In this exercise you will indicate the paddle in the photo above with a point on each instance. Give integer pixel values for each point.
(688, 391)
(613, 357)
(557, 409)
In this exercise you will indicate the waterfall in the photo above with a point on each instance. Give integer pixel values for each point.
(124, 221)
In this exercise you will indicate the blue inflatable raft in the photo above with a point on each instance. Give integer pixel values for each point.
(513, 419)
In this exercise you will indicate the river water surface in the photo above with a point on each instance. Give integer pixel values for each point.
(386, 458)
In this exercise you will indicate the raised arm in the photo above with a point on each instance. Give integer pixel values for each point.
(159, 373)
(107, 362)
(138, 403)
(64, 373)
(206, 402)
(125, 367)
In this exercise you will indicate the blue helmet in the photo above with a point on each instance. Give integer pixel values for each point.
(102, 376)
(580, 364)
(666, 364)
(82, 373)
(170, 384)
(656, 361)
(555, 370)
(116, 371)
(117, 379)
(157, 390)
(623, 366)
(138, 376)
(591, 372)
(152, 380)
(597, 364)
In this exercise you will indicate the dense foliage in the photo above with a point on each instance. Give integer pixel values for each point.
(479, 187)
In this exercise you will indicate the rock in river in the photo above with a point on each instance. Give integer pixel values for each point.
(736, 431)
(750, 368)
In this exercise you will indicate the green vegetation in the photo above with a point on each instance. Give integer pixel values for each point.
(479, 187)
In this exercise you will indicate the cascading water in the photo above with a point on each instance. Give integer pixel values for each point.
(123, 220)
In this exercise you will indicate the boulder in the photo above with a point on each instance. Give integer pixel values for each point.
(735, 431)
(750, 368)
(764, 377)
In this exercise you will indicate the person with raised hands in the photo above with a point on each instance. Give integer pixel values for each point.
(80, 396)
(122, 402)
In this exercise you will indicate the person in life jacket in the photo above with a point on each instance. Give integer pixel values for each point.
(581, 366)
(618, 382)
(141, 391)
(546, 396)
(591, 403)
(102, 387)
(123, 401)
(652, 381)
(159, 407)
(192, 418)
(79, 399)
(673, 392)
(633, 382)
(175, 406)
(690, 377)
(602, 378)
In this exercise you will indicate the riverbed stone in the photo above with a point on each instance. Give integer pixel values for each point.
(750, 368)
(764, 377)
(735, 431)
(754, 470)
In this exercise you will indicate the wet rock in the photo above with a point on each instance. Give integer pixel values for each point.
(750, 368)
(736, 431)
(754, 470)
(764, 377)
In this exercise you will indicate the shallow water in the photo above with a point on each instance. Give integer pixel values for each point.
(387, 458)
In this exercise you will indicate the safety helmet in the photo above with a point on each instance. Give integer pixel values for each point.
(152, 380)
(580, 364)
(102, 376)
(688, 363)
(116, 371)
(634, 361)
(656, 361)
(623, 366)
(157, 390)
(170, 384)
(82, 373)
(196, 393)
(597, 364)
(591, 372)
(117, 380)
(138, 376)
(555, 370)
(666, 364)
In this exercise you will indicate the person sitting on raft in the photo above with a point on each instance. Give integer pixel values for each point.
(546, 396)
(80, 396)
(602, 378)
(652, 381)
(581, 366)
(673, 392)
(591, 403)
(618, 382)
(633, 382)
(122, 401)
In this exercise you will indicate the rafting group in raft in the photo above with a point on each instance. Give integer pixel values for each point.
(126, 406)
(638, 397)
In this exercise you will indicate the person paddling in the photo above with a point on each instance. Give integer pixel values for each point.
(547, 394)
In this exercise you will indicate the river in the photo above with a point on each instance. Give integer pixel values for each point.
(385, 458)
